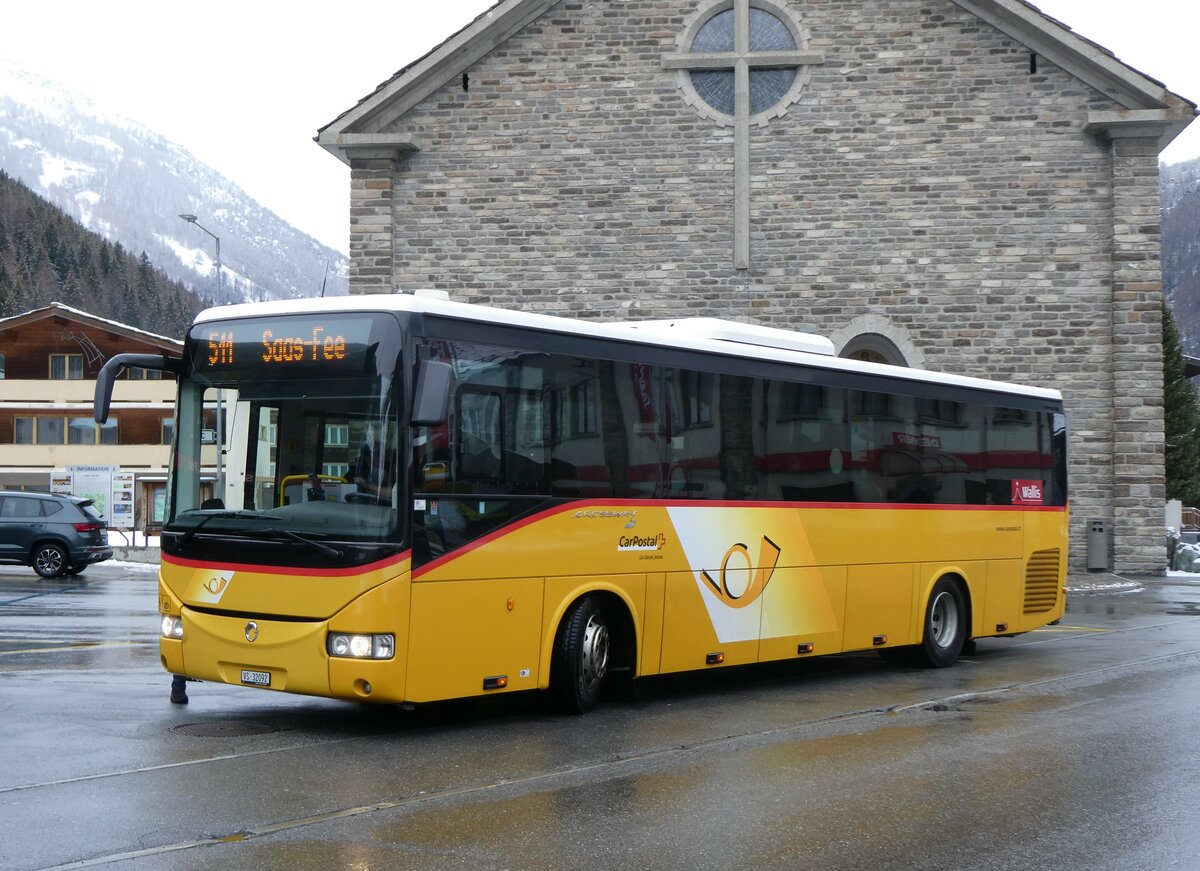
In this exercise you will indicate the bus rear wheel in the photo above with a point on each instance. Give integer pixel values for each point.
(581, 657)
(945, 626)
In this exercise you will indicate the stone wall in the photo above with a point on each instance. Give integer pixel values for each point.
(931, 173)
(1139, 484)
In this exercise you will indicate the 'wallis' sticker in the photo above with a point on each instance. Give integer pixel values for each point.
(1027, 493)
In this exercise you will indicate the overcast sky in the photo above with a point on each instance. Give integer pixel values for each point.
(245, 85)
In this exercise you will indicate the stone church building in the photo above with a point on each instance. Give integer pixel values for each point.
(961, 185)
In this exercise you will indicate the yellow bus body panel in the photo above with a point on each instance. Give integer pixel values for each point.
(465, 631)
(704, 585)
(824, 589)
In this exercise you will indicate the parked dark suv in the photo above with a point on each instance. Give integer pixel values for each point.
(57, 535)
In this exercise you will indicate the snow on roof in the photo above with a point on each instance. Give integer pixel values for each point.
(78, 314)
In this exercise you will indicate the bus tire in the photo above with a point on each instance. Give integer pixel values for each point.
(945, 629)
(581, 657)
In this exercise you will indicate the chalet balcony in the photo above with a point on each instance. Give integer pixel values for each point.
(62, 456)
(44, 395)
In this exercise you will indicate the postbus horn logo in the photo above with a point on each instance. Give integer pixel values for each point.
(739, 595)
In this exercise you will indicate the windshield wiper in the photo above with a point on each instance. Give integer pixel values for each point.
(224, 515)
(320, 547)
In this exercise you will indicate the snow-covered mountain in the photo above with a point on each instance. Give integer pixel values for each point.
(130, 185)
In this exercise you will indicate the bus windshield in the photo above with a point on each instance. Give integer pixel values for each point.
(286, 432)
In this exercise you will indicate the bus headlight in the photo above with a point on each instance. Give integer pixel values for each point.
(172, 626)
(361, 646)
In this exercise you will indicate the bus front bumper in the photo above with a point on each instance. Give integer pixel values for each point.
(287, 656)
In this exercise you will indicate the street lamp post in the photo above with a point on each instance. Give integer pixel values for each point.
(191, 219)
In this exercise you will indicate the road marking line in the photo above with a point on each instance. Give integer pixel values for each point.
(53, 592)
(1142, 628)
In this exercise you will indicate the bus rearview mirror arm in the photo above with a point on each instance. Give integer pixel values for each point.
(431, 401)
(114, 366)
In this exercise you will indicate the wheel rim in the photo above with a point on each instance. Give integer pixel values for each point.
(943, 620)
(49, 561)
(594, 664)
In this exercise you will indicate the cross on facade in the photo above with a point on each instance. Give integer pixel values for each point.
(746, 39)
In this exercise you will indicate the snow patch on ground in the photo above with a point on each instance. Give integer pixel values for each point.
(148, 568)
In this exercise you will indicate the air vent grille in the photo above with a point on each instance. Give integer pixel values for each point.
(1042, 581)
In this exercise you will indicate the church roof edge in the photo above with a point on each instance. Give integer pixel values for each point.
(414, 82)
(358, 129)
(1087, 60)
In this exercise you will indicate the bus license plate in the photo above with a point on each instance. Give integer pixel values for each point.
(258, 678)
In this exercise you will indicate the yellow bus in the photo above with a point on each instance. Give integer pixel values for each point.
(416, 499)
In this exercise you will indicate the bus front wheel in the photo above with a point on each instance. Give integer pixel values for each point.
(945, 625)
(581, 657)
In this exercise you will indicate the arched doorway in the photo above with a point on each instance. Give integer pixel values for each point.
(876, 339)
(873, 348)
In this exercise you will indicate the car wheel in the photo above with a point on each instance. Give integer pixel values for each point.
(49, 560)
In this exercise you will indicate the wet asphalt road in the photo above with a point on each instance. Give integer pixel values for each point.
(1073, 747)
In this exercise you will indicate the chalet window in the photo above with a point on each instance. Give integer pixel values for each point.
(1, 366)
(85, 431)
(55, 430)
(168, 430)
(51, 431)
(23, 430)
(81, 431)
(136, 374)
(66, 367)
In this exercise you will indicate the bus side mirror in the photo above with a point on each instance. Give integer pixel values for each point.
(115, 366)
(431, 402)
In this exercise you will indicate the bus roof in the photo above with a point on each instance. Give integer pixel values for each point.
(710, 335)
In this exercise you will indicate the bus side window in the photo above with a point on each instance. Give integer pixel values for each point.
(806, 453)
(481, 438)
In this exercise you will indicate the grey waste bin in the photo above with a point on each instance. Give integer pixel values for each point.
(1099, 545)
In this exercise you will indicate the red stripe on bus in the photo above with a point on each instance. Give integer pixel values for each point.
(614, 504)
(290, 570)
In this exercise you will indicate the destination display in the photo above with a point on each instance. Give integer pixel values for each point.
(293, 342)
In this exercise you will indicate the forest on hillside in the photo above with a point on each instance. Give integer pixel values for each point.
(46, 256)
(1181, 248)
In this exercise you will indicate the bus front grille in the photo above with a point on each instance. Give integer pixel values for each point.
(1042, 581)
